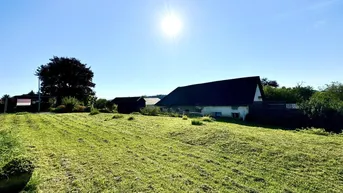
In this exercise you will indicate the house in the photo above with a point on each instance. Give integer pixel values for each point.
(32, 98)
(227, 98)
(151, 101)
(129, 104)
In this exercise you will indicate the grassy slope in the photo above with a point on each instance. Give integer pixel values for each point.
(78, 152)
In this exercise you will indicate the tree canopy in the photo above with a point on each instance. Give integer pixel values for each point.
(64, 76)
(271, 83)
(295, 94)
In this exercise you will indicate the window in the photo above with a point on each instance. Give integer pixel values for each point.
(217, 114)
(234, 107)
(235, 115)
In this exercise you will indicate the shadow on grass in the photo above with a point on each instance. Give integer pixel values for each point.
(250, 124)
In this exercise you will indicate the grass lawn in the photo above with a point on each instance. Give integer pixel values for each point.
(83, 153)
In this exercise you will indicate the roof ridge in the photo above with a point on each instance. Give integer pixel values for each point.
(248, 77)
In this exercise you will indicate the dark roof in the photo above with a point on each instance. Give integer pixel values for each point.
(27, 96)
(126, 99)
(240, 91)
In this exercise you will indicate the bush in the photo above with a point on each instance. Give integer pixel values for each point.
(105, 111)
(94, 111)
(117, 116)
(325, 110)
(135, 113)
(131, 118)
(207, 119)
(111, 107)
(60, 109)
(170, 114)
(52, 102)
(88, 109)
(100, 103)
(151, 111)
(79, 108)
(175, 115)
(70, 103)
(184, 117)
(316, 131)
(197, 122)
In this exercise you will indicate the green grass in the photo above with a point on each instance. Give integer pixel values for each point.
(82, 153)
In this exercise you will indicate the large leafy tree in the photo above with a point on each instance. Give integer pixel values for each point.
(64, 76)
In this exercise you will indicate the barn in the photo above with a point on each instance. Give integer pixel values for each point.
(129, 104)
(225, 98)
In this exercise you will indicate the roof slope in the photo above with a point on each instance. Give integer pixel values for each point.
(238, 91)
(125, 99)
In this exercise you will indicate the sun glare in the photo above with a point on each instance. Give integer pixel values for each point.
(171, 25)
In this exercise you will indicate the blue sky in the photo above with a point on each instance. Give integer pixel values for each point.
(290, 41)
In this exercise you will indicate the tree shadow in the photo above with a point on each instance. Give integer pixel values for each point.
(250, 124)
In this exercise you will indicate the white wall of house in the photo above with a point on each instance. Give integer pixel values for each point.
(226, 111)
(258, 96)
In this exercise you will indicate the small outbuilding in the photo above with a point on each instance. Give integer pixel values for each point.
(129, 104)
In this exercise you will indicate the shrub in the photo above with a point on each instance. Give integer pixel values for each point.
(325, 110)
(100, 103)
(207, 119)
(316, 131)
(135, 113)
(70, 103)
(94, 111)
(131, 118)
(184, 117)
(110, 106)
(60, 109)
(79, 108)
(52, 102)
(151, 111)
(105, 111)
(88, 109)
(175, 115)
(117, 116)
(197, 122)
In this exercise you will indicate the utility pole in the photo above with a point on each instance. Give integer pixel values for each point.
(6, 102)
(38, 94)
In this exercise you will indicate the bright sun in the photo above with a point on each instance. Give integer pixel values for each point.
(171, 25)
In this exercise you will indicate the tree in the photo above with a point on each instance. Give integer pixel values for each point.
(100, 103)
(335, 89)
(295, 94)
(267, 82)
(5, 96)
(63, 77)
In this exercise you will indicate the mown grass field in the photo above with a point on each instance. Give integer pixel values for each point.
(83, 153)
